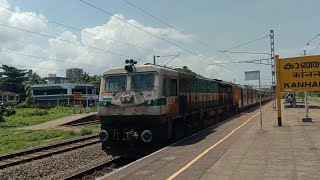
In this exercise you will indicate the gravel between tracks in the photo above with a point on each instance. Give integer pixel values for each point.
(57, 166)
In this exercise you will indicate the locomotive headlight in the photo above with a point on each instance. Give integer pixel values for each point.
(128, 98)
(146, 136)
(123, 98)
(103, 135)
(149, 102)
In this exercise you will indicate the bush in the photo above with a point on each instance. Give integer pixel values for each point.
(85, 131)
(72, 133)
(9, 111)
(36, 112)
(24, 104)
(6, 111)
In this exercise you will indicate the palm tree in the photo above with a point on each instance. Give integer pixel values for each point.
(96, 81)
(85, 78)
(33, 79)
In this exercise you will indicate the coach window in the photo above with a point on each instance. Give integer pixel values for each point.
(142, 82)
(116, 83)
(170, 87)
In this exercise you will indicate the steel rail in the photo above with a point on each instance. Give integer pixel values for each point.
(47, 150)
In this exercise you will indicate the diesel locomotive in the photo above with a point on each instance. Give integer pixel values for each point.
(143, 108)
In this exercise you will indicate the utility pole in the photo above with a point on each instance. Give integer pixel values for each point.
(306, 107)
(272, 69)
(154, 59)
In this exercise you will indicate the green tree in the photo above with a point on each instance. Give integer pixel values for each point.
(185, 69)
(11, 79)
(87, 79)
(84, 79)
(96, 81)
(33, 79)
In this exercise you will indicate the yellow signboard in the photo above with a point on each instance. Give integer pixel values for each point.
(299, 74)
(78, 95)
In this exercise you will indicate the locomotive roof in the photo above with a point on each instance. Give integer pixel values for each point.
(152, 67)
(140, 68)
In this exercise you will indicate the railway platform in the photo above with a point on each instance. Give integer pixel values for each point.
(239, 149)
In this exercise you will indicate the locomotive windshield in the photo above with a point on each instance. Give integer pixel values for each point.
(142, 82)
(116, 83)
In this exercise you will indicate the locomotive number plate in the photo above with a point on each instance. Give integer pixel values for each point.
(116, 109)
(140, 109)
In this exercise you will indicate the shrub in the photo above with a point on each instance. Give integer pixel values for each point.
(36, 112)
(85, 131)
(9, 111)
(24, 104)
(6, 111)
(72, 133)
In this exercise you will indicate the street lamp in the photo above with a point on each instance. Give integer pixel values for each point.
(154, 59)
(175, 56)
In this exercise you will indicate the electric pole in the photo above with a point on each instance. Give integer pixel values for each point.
(273, 78)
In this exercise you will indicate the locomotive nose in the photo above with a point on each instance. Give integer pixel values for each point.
(103, 135)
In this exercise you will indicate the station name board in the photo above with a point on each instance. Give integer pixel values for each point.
(299, 74)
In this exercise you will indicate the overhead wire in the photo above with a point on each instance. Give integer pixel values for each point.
(247, 61)
(19, 65)
(48, 59)
(315, 48)
(246, 43)
(244, 52)
(165, 23)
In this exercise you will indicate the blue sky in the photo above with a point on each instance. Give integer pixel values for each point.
(220, 24)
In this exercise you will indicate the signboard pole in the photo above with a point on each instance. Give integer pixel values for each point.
(306, 103)
(255, 75)
(260, 102)
(74, 105)
(278, 90)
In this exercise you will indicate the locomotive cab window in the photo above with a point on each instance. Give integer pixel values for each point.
(142, 82)
(116, 83)
(170, 87)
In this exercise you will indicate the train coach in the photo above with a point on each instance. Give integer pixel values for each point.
(143, 108)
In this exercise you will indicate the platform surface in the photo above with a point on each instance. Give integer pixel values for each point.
(238, 149)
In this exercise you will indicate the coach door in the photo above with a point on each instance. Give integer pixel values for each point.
(171, 94)
(241, 97)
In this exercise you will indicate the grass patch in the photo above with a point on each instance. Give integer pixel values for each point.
(95, 128)
(18, 140)
(14, 139)
(316, 99)
(30, 116)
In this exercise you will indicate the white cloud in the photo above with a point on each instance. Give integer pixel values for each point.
(16, 39)
(97, 53)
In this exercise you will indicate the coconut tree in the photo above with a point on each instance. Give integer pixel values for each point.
(33, 79)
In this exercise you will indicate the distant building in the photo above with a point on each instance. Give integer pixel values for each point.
(9, 98)
(51, 95)
(74, 73)
(53, 79)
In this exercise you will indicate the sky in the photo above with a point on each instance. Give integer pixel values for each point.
(50, 36)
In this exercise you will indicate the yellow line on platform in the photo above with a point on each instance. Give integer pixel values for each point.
(207, 150)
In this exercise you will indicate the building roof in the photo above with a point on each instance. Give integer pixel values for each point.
(58, 86)
(8, 92)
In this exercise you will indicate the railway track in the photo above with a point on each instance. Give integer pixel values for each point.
(45, 151)
(84, 123)
(100, 169)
